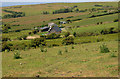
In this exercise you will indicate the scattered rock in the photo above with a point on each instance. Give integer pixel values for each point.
(20, 63)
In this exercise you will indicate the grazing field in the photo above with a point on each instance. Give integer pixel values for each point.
(84, 60)
(90, 21)
(94, 28)
(83, 42)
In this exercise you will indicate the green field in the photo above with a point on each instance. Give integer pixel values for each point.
(94, 28)
(82, 59)
(107, 18)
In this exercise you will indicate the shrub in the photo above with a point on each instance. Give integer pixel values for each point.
(7, 50)
(24, 37)
(72, 47)
(5, 39)
(68, 40)
(55, 45)
(17, 55)
(49, 46)
(107, 31)
(66, 50)
(99, 39)
(113, 55)
(5, 46)
(67, 34)
(53, 36)
(30, 33)
(116, 20)
(38, 41)
(41, 49)
(59, 52)
(104, 49)
(19, 38)
(45, 50)
(74, 34)
(34, 31)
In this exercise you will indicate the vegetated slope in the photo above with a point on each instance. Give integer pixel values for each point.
(94, 28)
(34, 17)
(95, 20)
(84, 60)
(31, 10)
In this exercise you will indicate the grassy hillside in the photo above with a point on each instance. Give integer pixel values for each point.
(83, 61)
(34, 16)
(107, 18)
(83, 57)
(32, 10)
(94, 28)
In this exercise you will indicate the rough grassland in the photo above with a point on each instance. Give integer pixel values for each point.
(95, 28)
(84, 60)
(107, 18)
(0, 65)
(38, 9)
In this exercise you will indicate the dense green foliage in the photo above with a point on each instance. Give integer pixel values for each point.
(37, 42)
(5, 28)
(68, 40)
(104, 49)
(17, 55)
(13, 14)
(62, 11)
(52, 36)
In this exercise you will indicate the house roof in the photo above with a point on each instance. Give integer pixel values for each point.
(44, 28)
(57, 29)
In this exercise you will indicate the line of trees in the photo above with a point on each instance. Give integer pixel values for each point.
(13, 14)
(45, 12)
(62, 11)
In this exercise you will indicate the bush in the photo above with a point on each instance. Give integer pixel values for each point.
(49, 46)
(34, 31)
(5, 39)
(68, 40)
(107, 31)
(59, 52)
(104, 49)
(37, 42)
(72, 47)
(113, 55)
(74, 34)
(53, 36)
(45, 50)
(5, 46)
(66, 50)
(24, 37)
(41, 49)
(17, 55)
(116, 20)
(67, 34)
(55, 45)
(99, 39)
(30, 33)
(19, 38)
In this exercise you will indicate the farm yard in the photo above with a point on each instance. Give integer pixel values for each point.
(60, 40)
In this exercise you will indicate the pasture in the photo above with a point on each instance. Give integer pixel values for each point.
(55, 59)
(84, 60)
